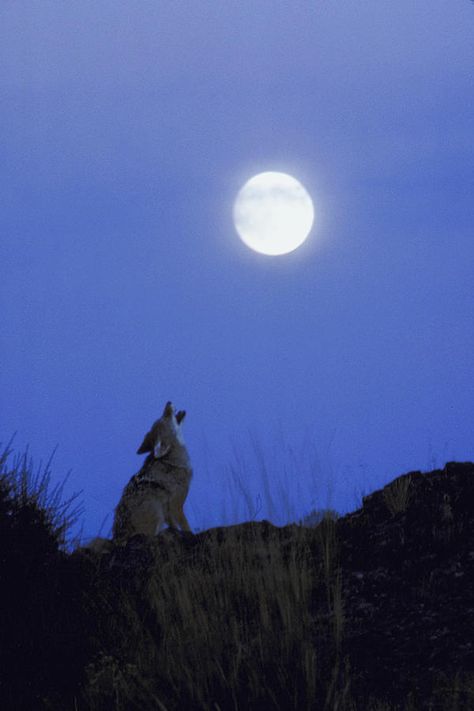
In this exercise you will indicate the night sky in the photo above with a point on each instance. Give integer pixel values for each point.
(126, 130)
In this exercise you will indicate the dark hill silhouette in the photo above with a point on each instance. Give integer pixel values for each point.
(372, 610)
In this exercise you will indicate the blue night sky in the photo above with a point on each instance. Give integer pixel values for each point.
(126, 130)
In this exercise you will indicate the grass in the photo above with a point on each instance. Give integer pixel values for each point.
(277, 591)
(232, 627)
(37, 591)
(397, 495)
(237, 628)
(274, 471)
(28, 490)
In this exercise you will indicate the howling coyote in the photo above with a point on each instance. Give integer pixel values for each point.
(157, 493)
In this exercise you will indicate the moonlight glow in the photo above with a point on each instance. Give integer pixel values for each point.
(273, 213)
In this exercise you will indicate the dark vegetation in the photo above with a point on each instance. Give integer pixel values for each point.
(373, 611)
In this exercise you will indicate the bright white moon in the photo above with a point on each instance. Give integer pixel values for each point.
(273, 213)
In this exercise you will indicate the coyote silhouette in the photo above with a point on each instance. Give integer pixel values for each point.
(156, 494)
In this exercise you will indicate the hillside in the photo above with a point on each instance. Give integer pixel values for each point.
(373, 610)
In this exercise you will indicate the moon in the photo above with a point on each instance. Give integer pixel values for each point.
(273, 213)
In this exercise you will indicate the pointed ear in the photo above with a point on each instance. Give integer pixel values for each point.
(147, 444)
(180, 416)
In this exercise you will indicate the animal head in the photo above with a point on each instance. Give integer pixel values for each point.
(169, 411)
(170, 421)
(164, 433)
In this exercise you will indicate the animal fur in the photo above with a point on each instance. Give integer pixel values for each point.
(156, 494)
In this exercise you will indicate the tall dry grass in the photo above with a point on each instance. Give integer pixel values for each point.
(232, 629)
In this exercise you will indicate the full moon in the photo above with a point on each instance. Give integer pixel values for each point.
(273, 213)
